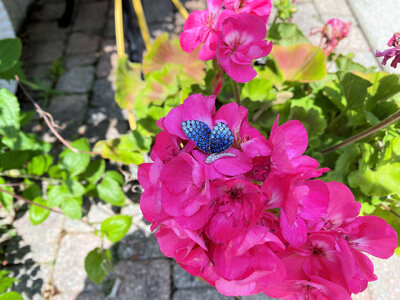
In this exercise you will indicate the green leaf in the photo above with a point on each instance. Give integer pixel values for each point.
(11, 296)
(69, 189)
(355, 91)
(40, 164)
(310, 115)
(344, 164)
(111, 192)
(258, 89)
(94, 171)
(116, 227)
(18, 140)
(98, 264)
(346, 64)
(128, 82)
(6, 283)
(286, 34)
(302, 63)
(15, 159)
(127, 148)
(9, 113)
(32, 192)
(116, 176)
(75, 163)
(10, 52)
(37, 214)
(72, 208)
(6, 200)
(382, 181)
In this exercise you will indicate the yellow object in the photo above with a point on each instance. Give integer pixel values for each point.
(181, 9)
(137, 5)
(132, 119)
(119, 28)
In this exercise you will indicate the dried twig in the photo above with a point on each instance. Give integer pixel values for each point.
(50, 122)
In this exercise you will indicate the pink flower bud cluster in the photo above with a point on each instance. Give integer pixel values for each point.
(332, 33)
(257, 221)
(234, 36)
(394, 51)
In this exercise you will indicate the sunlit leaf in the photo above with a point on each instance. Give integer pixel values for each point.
(303, 62)
(38, 214)
(116, 227)
(98, 264)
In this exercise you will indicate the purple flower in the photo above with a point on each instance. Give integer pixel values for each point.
(394, 42)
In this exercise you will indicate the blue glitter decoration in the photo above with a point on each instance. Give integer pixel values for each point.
(213, 142)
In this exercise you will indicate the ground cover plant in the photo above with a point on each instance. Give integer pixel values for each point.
(268, 174)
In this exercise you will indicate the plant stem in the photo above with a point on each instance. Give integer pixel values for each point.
(50, 180)
(236, 91)
(393, 118)
(390, 210)
(31, 202)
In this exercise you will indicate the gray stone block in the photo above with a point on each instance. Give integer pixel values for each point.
(69, 272)
(183, 279)
(158, 11)
(137, 247)
(80, 60)
(306, 18)
(76, 80)
(333, 7)
(80, 296)
(192, 5)
(46, 31)
(68, 111)
(82, 43)
(107, 65)
(43, 238)
(91, 16)
(199, 294)
(144, 279)
(49, 11)
(37, 53)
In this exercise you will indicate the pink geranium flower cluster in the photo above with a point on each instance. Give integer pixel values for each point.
(234, 36)
(393, 52)
(257, 221)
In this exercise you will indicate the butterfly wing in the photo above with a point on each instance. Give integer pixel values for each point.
(221, 138)
(199, 133)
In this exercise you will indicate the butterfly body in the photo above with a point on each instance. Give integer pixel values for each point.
(213, 142)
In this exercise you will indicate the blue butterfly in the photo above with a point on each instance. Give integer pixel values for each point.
(213, 142)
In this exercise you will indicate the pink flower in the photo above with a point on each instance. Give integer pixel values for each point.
(247, 263)
(235, 206)
(259, 8)
(392, 52)
(185, 191)
(202, 28)
(242, 41)
(332, 33)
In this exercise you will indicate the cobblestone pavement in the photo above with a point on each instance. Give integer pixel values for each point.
(49, 258)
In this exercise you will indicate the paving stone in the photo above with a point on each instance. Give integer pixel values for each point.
(157, 11)
(387, 286)
(49, 11)
(307, 18)
(36, 53)
(260, 296)
(32, 279)
(362, 296)
(41, 73)
(80, 60)
(133, 246)
(183, 279)
(378, 22)
(191, 5)
(77, 226)
(82, 43)
(333, 7)
(80, 296)
(69, 271)
(140, 226)
(46, 31)
(110, 28)
(43, 238)
(365, 58)
(91, 16)
(103, 94)
(68, 111)
(144, 279)
(76, 80)
(106, 65)
(199, 294)
(157, 29)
